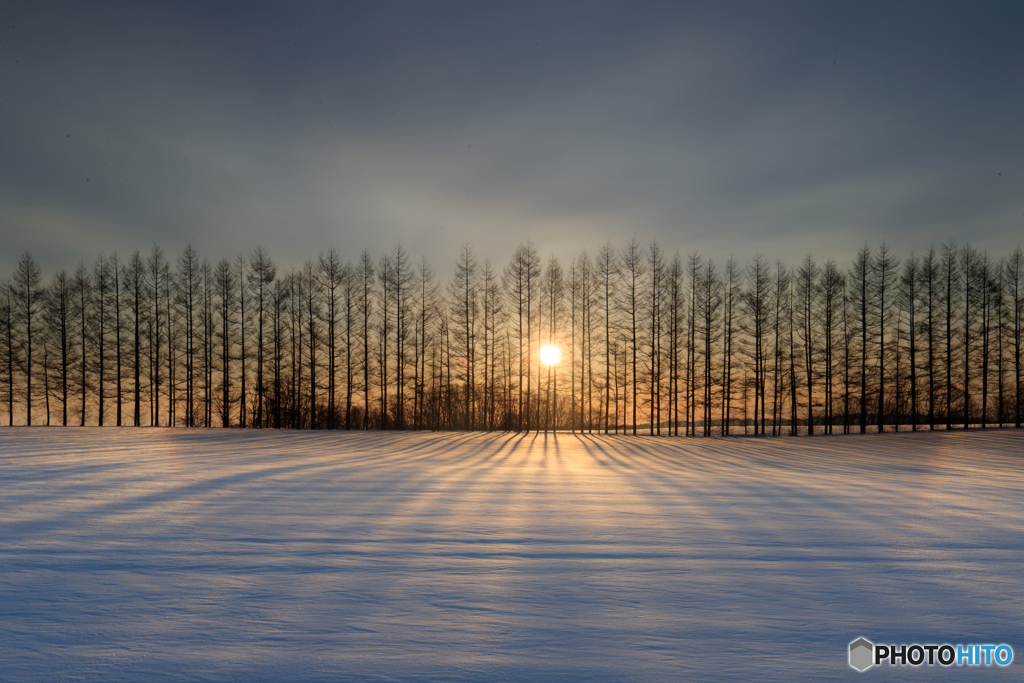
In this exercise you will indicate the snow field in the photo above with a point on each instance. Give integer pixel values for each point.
(183, 555)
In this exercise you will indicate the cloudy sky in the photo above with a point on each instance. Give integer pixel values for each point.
(722, 127)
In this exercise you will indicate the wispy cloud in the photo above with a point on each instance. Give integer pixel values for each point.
(735, 129)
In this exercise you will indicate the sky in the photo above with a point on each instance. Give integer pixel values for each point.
(725, 128)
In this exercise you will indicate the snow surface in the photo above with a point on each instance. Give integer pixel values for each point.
(171, 554)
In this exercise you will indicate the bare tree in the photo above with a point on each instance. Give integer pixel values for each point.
(587, 283)
(296, 344)
(633, 271)
(240, 266)
(950, 275)
(225, 286)
(206, 319)
(7, 330)
(401, 287)
(27, 302)
(991, 294)
(115, 270)
(756, 323)
(694, 268)
(491, 296)
(656, 281)
(731, 293)
(930, 271)
(157, 284)
(608, 273)
(910, 296)
(1014, 277)
(172, 314)
(81, 285)
(279, 341)
(520, 280)
(101, 277)
(708, 296)
(554, 291)
(790, 306)
(861, 291)
(59, 317)
(832, 292)
(677, 317)
(781, 300)
(427, 300)
(385, 327)
(808, 295)
(973, 288)
(187, 293)
(312, 302)
(350, 296)
(332, 274)
(885, 271)
(464, 308)
(134, 285)
(366, 299)
(262, 273)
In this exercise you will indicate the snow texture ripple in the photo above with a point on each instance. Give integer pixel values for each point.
(195, 555)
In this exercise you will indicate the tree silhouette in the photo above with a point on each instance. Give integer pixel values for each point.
(26, 306)
(887, 344)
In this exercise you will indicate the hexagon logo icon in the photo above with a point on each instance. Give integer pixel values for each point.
(861, 654)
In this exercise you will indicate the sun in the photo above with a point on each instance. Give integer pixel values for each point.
(549, 355)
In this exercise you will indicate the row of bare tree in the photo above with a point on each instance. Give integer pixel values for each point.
(650, 344)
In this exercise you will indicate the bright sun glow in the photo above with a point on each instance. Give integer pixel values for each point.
(549, 355)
